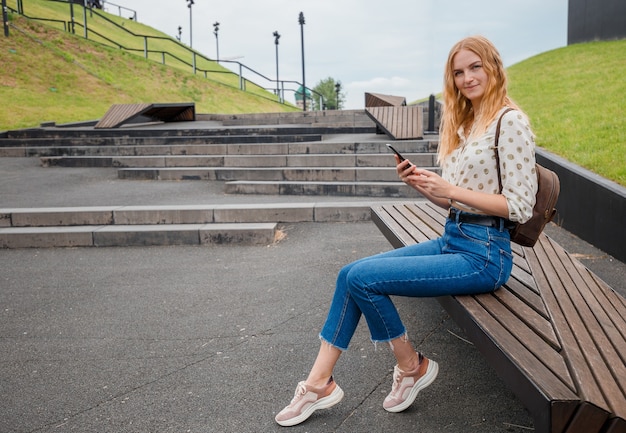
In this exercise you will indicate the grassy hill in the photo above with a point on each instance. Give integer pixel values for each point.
(47, 74)
(573, 95)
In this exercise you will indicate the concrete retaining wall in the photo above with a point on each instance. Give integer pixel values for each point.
(589, 206)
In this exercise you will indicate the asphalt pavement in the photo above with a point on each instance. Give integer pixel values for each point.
(214, 338)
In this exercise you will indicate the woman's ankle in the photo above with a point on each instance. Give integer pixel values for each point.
(406, 356)
(318, 381)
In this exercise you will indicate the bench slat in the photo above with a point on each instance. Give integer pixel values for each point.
(540, 324)
(390, 228)
(568, 326)
(531, 298)
(418, 234)
(433, 221)
(600, 354)
(600, 297)
(615, 322)
(531, 342)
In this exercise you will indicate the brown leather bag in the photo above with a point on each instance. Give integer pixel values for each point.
(548, 189)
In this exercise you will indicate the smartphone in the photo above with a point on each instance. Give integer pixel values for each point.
(402, 158)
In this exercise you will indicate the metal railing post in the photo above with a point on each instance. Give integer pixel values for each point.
(145, 47)
(282, 92)
(5, 18)
(85, 19)
(72, 29)
(240, 77)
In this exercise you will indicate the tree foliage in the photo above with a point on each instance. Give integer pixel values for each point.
(327, 88)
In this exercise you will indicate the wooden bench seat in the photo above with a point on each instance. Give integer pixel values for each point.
(555, 333)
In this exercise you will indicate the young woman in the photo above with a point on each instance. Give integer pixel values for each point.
(472, 256)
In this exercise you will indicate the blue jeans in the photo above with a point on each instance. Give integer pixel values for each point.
(466, 259)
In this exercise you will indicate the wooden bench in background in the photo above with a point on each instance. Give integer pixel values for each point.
(555, 333)
(399, 123)
(394, 118)
(119, 114)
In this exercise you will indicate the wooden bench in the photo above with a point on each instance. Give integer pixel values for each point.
(555, 333)
(399, 123)
(119, 114)
(393, 117)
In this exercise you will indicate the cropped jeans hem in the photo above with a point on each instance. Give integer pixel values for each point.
(375, 342)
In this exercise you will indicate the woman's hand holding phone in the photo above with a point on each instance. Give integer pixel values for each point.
(407, 169)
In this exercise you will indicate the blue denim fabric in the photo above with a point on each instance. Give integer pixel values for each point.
(467, 259)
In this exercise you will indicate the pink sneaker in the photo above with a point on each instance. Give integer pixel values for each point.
(406, 385)
(307, 400)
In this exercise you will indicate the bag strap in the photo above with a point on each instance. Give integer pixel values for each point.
(497, 138)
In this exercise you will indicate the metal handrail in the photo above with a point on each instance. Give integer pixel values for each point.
(243, 81)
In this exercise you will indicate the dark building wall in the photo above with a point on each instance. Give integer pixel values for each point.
(591, 20)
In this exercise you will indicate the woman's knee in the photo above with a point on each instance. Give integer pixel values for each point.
(355, 282)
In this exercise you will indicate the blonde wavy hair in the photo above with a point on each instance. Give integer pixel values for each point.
(457, 109)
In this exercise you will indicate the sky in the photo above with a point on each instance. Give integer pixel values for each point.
(392, 47)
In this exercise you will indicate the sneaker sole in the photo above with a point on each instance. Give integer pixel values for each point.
(323, 403)
(423, 382)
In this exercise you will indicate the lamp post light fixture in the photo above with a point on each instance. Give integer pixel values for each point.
(276, 38)
(301, 21)
(338, 90)
(216, 28)
(189, 4)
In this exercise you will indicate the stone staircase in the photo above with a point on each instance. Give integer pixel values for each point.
(321, 154)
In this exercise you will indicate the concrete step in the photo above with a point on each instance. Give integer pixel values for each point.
(310, 160)
(189, 214)
(165, 225)
(345, 189)
(332, 117)
(273, 174)
(214, 132)
(43, 145)
(138, 235)
(182, 146)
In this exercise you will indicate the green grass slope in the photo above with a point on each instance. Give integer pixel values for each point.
(116, 32)
(575, 97)
(51, 75)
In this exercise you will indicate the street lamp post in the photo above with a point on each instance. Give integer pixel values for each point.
(189, 4)
(276, 38)
(301, 21)
(216, 28)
